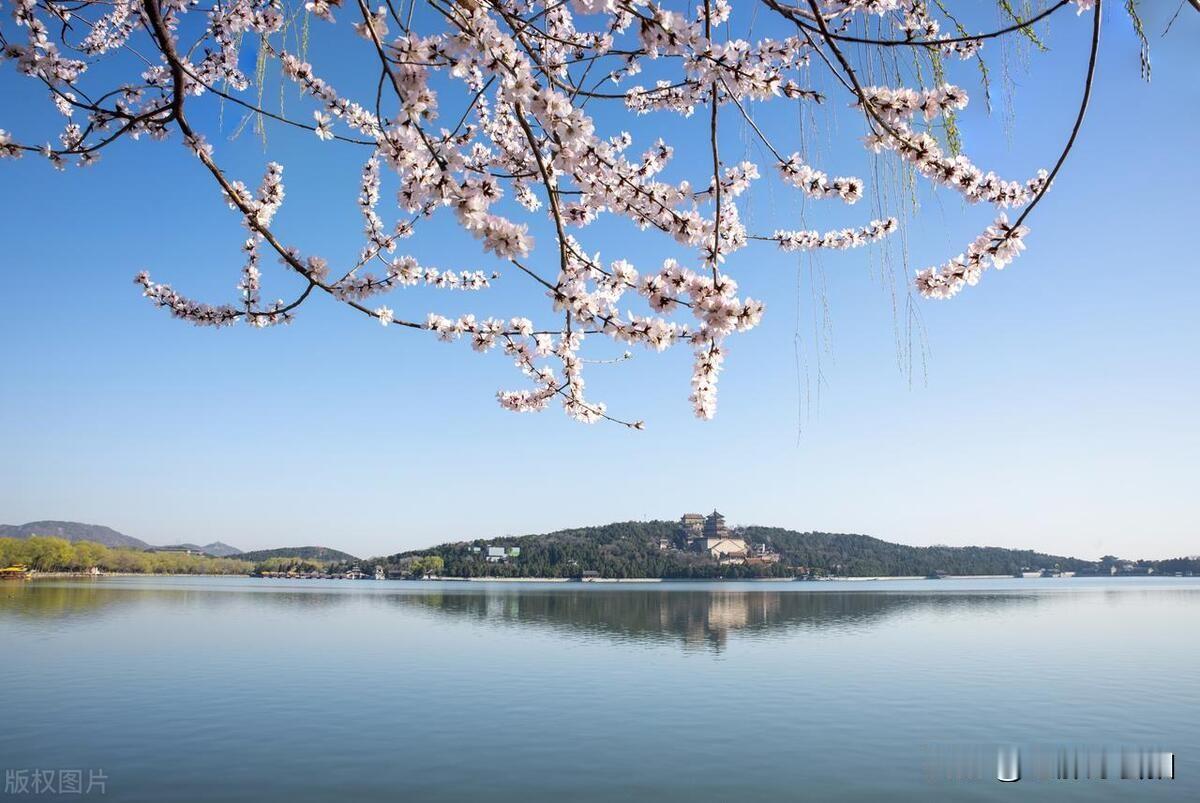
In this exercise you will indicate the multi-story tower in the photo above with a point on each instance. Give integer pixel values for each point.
(714, 526)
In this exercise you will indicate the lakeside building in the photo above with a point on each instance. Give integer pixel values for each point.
(499, 554)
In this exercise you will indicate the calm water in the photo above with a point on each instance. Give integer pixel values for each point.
(244, 690)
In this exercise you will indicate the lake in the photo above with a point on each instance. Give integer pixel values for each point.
(237, 689)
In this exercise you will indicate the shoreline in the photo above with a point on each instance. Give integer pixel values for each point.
(90, 576)
(597, 580)
(797, 579)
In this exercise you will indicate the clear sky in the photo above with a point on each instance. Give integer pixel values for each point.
(1057, 410)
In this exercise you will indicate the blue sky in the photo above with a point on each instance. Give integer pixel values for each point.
(1056, 410)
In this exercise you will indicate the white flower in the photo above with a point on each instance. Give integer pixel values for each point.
(323, 129)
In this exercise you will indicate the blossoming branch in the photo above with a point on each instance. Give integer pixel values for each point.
(538, 92)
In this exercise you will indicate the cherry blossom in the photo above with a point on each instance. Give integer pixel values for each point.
(512, 118)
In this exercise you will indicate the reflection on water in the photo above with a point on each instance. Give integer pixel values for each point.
(245, 691)
(693, 617)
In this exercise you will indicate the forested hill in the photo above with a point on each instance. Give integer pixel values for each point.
(631, 549)
(862, 555)
(321, 553)
(623, 549)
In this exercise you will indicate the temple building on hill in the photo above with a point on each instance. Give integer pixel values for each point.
(714, 526)
(727, 550)
(761, 555)
(710, 535)
(692, 525)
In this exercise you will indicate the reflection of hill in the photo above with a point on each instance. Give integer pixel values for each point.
(695, 617)
(691, 615)
(38, 599)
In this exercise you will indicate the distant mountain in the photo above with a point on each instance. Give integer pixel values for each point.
(99, 534)
(321, 553)
(217, 549)
(73, 531)
(221, 549)
(631, 549)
